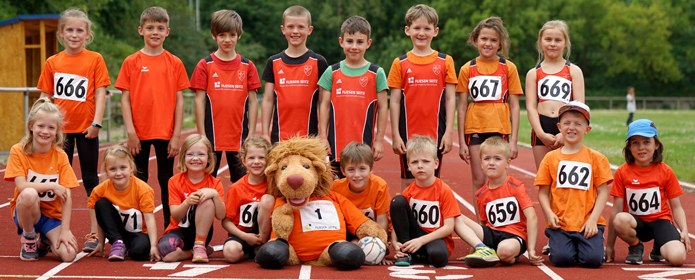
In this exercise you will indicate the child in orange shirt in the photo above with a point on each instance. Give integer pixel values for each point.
(225, 85)
(42, 176)
(77, 78)
(248, 204)
(492, 81)
(124, 207)
(423, 85)
(367, 191)
(641, 186)
(572, 190)
(195, 201)
(423, 215)
(152, 81)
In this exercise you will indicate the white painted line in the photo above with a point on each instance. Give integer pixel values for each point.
(156, 209)
(4, 205)
(549, 272)
(149, 278)
(60, 267)
(464, 202)
(305, 272)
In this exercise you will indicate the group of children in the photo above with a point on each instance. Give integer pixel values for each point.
(346, 105)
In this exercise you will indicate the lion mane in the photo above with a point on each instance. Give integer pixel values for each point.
(308, 147)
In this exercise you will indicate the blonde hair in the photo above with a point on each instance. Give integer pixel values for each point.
(356, 24)
(496, 24)
(190, 141)
(421, 10)
(121, 152)
(254, 141)
(226, 21)
(356, 152)
(421, 143)
(496, 142)
(76, 14)
(156, 14)
(42, 107)
(296, 11)
(559, 25)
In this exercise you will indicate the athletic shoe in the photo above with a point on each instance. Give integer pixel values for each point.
(655, 255)
(200, 254)
(404, 261)
(29, 245)
(482, 257)
(44, 247)
(546, 249)
(92, 242)
(118, 251)
(635, 254)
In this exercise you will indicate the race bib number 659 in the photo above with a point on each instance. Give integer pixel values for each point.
(503, 211)
(426, 213)
(573, 174)
(70, 87)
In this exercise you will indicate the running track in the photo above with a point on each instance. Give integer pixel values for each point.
(455, 173)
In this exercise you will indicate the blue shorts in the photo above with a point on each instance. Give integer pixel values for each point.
(44, 225)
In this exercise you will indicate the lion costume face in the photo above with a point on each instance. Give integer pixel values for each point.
(297, 170)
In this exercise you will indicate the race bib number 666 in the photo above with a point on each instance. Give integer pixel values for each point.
(573, 174)
(70, 87)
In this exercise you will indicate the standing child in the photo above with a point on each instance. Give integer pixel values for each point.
(41, 172)
(152, 81)
(492, 81)
(572, 190)
(124, 207)
(225, 84)
(509, 221)
(248, 204)
(631, 103)
(552, 83)
(423, 86)
(291, 82)
(195, 201)
(77, 78)
(426, 237)
(642, 185)
(367, 191)
(353, 96)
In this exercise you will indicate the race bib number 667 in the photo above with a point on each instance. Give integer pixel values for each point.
(573, 174)
(70, 87)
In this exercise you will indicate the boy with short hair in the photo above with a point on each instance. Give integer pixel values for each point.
(225, 85)
(572, 192)
(505, 208)
(353, 96)
(152, 81)
(426, 237)
(291, 82)
(422, 82)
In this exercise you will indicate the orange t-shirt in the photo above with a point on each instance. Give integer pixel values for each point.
(433, 204)
(573, 180)
(153, 82)
(321, 222)
(72, 80)
(372, 201)
(502, 208)
(242, 202)
(646, 189)
(489, 117)
(52, 166)
(423, 80)
(180, 187)
(136, 199)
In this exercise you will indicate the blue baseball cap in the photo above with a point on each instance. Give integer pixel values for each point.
(642, 127)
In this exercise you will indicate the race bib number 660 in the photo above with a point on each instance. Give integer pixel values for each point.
(426, 213)
(573, 174)
(70, 87)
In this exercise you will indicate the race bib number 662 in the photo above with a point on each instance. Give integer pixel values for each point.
(573, 174)
(70, 87)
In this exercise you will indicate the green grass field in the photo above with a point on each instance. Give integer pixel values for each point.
(676, 131)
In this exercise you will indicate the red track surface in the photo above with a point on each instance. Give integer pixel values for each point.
(455, 173)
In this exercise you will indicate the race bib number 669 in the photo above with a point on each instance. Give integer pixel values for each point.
(573, 174)
(70, 87)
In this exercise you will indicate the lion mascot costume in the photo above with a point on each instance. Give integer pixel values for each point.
(309, 220)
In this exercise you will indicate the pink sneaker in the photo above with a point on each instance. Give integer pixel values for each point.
(199, 253)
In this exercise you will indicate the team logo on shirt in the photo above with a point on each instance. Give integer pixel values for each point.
(411, 79)
(241, 75)
(217, 84)
(144, 69)
(338, 91)
(282, 81)
(364, 81)
(339, 82)
(307, 69)
(409, 71)
(635, 181)
(214, 75)
(281, 72)
(437, 69)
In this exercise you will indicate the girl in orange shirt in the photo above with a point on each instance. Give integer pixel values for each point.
(43, 178)
(124, 207)
(76, 78)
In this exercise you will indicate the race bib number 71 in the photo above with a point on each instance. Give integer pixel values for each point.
(132, 219)
(574, 175)
(70, 87)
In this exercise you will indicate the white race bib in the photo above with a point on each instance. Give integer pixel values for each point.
(555, 88)
(485, 88)
(503, 211)
(131, 218)
(190, 214)
(643, 201)
(426, 213)
(573, 174)
(33, 177)
(319, 215)
(248, 213)
(70, 87)
(369, 213)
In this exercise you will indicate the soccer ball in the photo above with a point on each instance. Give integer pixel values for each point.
(374, 250)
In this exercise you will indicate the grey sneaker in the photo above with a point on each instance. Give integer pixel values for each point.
(655, 255)
(635, 254)
(404, 261)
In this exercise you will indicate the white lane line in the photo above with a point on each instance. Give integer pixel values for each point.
(60, 267)
(305, 272)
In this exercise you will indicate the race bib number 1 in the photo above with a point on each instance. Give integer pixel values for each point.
(33, 177)
(503, 211)
(426, 213)
(643, 201)
(248, 214)
(573, 174)
(319, 215)
(70, 87)
(485, 88)
(555, 88)
(132, 219)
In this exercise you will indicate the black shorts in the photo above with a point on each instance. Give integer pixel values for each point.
(549, 125)
(661, 231)
(479, 138)
(492, 239)
(248, 249)
(405, 171)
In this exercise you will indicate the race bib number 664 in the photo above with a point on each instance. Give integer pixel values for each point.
(573, 174)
